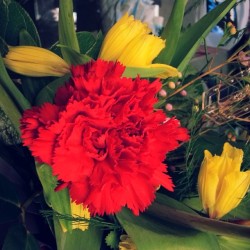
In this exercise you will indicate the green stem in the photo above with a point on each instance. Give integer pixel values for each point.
(67, 34)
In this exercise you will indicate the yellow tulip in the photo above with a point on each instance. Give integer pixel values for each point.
(130, 43)
(221, 184)
(35, 61)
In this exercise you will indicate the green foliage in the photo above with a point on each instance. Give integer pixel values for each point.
(67, 34)
(47, 94)
(174, 24)
(11, 24)
(11, 88)
(166, 221)
(190, 40)
(19, 238)
(77, 239)
(58, 201)
(112, 239)
(143, 72)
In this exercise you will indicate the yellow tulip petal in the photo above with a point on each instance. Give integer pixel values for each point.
(80, 211)
(207, 184)
(232, 152)
(122, 33)
(35, 61)
(233, 190)
(141, 51)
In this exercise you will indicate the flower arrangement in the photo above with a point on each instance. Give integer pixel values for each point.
(116, 141)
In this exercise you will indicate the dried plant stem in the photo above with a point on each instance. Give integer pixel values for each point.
(210, 71)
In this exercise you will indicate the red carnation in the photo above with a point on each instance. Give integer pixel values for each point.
(103, 139)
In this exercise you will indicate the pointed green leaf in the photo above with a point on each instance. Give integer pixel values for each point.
(190, 40)
(166, 213)
(59, 201)
(171, 32)
(150, 233)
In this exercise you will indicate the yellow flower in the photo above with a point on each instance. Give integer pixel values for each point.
(35, 61)
(130, 43)
(221, 184)
(77, 210)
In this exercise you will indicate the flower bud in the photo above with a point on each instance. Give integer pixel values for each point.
(35, 61)
(129, 41)
(221, 184)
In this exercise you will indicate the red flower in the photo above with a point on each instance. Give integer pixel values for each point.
(103, 139)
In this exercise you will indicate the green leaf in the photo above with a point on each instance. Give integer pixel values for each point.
(142, 72)
(77, 239)
(67, 34)
(9, 204)
(171, 32)
(190, 40)
(9, 108)
(59, 201)
(167, 214)
(26, 39)
(74, 56)
(150, 233)
(3, 47)
(31, 86)
(89, 43)
(4, 17)
(14, 18)
(47, 94)
(11, 89)
(227, 243)
(19, 238)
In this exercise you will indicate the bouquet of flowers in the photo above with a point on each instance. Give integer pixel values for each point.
(116, 142)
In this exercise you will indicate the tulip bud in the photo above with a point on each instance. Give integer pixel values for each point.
(35, 61)
(129, 41)
(221, 184)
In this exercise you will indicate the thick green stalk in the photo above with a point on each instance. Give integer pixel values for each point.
(67, 34)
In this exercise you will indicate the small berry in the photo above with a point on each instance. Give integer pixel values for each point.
(183, 93)
(169, 107)
(171, 85)
(163, 93)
